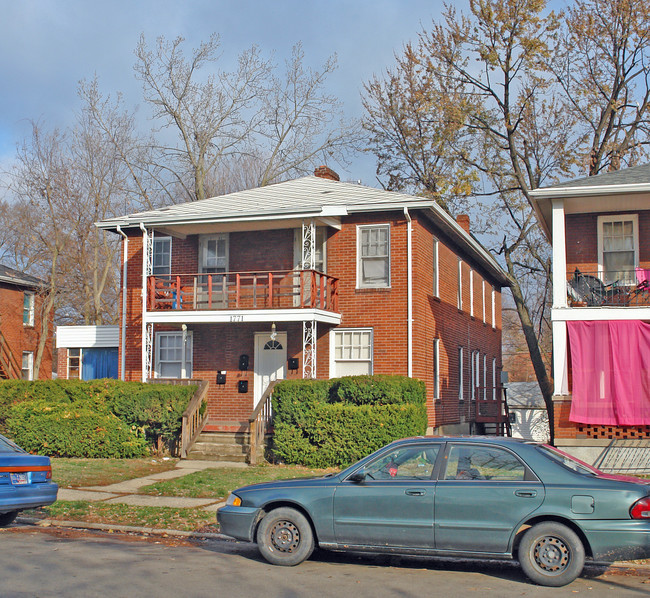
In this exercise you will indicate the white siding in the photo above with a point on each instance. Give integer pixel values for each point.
(87, 336)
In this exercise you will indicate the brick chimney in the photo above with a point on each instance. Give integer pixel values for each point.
(463, 220)
(325, 172)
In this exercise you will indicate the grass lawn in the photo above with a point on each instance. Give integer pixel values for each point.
(117, 514)
(217, 483)
(75, 473)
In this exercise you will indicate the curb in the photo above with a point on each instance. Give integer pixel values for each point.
(154, 531)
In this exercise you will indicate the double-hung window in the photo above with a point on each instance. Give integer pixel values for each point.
(373, 256)
(28, 365)
(618, 247)
(351, 352)
(28, 308)
(162, 256)
(436, 275)
(74, 363)
(460, 284)
(173, 355)
(436, 369)
(460, 374)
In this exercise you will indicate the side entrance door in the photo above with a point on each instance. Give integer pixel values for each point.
(270, 361)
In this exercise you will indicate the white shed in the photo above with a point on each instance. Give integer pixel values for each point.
(528, 416)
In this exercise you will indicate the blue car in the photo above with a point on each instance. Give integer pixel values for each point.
(25, 481)
(481, 497)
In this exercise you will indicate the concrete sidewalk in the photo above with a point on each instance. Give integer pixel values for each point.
(127, 492)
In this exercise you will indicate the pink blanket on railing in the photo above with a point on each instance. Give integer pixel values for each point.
(610, 364)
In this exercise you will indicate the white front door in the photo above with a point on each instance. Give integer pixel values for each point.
(270, 361)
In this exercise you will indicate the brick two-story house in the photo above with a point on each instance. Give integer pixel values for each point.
(310, 278)
(600, 231)
(20, 325)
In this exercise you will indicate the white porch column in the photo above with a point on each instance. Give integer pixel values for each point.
(559, 254)
(308, 261)
(560, 359)
(309, 349)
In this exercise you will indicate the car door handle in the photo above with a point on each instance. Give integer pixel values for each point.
(526, 493)
(415, 492)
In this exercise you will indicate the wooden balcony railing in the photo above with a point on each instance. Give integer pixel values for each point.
(616, 289)
(279, 289)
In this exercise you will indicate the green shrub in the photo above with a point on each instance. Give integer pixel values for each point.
(324, 423)
(69, 430)
(153, 410)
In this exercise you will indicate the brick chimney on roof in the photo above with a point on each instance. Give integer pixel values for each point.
(325, 172)
(463, 220)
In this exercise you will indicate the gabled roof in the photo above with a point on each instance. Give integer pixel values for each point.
(20, 279)
(306, 197)
(619, 191)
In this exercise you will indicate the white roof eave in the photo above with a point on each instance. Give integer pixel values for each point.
(552, 193)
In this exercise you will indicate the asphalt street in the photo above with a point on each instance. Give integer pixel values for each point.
(47, 563)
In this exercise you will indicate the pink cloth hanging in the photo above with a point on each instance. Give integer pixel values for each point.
(610, 363)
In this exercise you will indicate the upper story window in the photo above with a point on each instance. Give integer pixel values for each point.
(29, 302)
(162, 256)
(471, 292)
(460, 283)
(436, 275)
(494, 307)
(373, 256)
(483, 300)
(618, 247)
(213, 253)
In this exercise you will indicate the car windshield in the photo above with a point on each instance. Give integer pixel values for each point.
(6, 446)
(567, 460)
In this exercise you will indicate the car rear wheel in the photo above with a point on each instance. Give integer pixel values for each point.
(284, 537)
(551, 554)
(7, 518)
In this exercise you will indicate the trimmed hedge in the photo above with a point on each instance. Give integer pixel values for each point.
(333, 423)
(151, 413)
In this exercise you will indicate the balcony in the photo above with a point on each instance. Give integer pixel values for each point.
(278, 289)
(626, 289)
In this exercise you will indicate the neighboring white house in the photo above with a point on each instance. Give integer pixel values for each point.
(528, 416)
(87, 352)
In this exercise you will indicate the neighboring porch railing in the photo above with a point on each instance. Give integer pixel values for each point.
(614, 289)
(260, 423)
(491, 407)
(193, 421)
(8, 362)
(278, 289)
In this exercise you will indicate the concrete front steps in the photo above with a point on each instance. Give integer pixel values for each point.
(225, 442)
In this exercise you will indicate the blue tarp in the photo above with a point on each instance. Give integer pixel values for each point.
(99, 363)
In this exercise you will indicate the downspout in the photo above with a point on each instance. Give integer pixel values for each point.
(125, 251)
(143, 292)
(409, 284)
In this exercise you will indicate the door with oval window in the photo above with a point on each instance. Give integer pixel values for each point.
(270, 361)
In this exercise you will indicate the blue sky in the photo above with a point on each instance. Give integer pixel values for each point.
(48, 46)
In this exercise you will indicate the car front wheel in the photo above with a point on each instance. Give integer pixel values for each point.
(284, 537)
(7, 518)
(551, 554)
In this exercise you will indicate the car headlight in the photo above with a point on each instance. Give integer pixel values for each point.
(233, 500)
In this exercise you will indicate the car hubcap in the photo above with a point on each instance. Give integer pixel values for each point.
(285, 536)
(551, 554)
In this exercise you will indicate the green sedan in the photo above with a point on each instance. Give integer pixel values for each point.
(482, 497)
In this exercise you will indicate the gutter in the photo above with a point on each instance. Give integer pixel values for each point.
(124, 286)
(409, 284)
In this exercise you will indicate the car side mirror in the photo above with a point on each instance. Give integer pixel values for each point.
(358, 476)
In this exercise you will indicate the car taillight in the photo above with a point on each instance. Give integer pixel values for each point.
(48, 473)
(641, 509)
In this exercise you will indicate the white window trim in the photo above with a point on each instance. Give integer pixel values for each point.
(166, 238)
(30, 364)
(460, 284)
(32, 308)
(471, 293)
(494, 308)
(460, 375)
(203, 243)
(484, 376)
(483, 300)
(361, 227)
(635, 232)
(436, 267)
(494, 378)
(189, 339)
(334, 361)
(436, 369)
(79, 357)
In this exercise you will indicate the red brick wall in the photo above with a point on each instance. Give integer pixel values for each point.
(18, 336)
